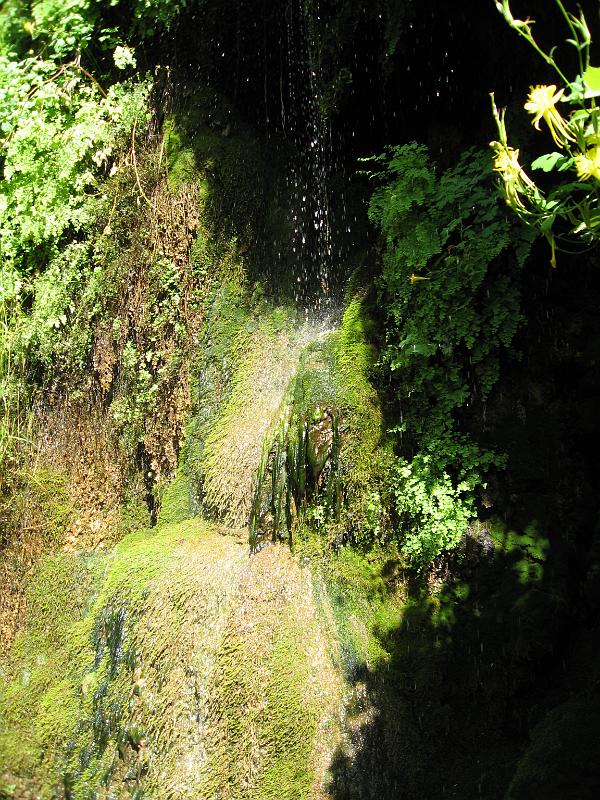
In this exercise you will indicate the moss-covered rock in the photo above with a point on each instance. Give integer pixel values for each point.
(170, 667)
(327, 456)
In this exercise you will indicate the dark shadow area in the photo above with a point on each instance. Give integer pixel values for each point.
(474, 665)
(321, 85)
(493, 677)
(384, 72)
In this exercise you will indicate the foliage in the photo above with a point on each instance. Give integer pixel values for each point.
(452, 309)
(69, 116)
(569, 211)
(12, 421)
(150, 15)
(59, 132)
(62, 28)
(436, 513)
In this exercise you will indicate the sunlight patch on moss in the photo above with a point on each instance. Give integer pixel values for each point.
(175, 652)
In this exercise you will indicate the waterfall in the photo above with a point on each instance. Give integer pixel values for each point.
(308, 177)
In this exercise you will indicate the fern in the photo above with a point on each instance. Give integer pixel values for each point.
(452, 306)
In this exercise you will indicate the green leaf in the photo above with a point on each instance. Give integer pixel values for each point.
(566, 164)
(547, 223)
(548, 162)
(592, 78)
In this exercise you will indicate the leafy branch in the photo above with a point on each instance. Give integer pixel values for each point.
(569, 211)
(76, 65)
(451, 312)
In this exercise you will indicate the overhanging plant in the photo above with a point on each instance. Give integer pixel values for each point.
(568, 212)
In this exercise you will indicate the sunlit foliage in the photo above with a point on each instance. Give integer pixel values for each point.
(568, 211)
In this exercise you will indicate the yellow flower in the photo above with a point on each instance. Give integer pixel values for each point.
(516, 181)
(588, 163)
(542, 104)
(507, 162)
(414, 278)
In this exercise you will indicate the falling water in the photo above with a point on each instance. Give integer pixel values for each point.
(308, 175)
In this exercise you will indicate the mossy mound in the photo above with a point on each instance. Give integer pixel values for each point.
(176, 666)
(233, 446)
(249, 353)
(325, 460)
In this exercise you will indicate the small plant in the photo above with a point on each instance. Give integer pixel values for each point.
(450, 290)
(569, 211)
(434, 510)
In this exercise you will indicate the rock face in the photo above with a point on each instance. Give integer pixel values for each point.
(320, 442)
(175, 667)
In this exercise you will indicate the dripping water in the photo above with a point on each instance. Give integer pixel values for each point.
(308, 175)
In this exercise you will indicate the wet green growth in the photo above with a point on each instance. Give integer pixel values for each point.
(176, 504)
(38, 689)
(205, 140)
(248, 352)
(251, 739)
(129, 673)
(66, 684)
(233, 445)
(326, 461)
(36, 515)
(301, 465)
(134, 514)
(366, 595)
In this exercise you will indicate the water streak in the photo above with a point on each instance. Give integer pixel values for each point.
(308, 178)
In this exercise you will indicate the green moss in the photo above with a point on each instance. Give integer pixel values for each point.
(133, 664)
(326, 455)
(289, 768)
(176, 501)
(233, 446)
(38, 706)
(211, 372)
(268, 674)
(134, 514)
(206, 141)
(181, 161)
(365, 607)
(353, 357)
(80, 614)
(249, 353)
